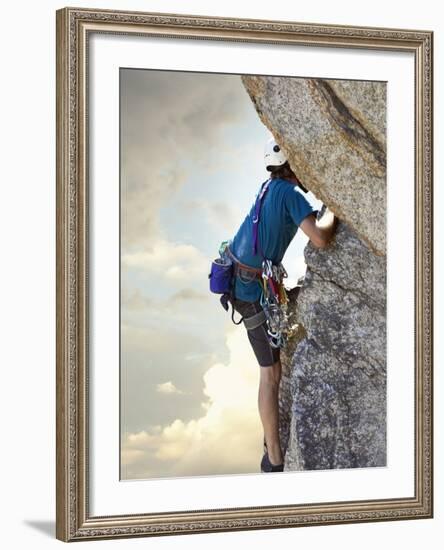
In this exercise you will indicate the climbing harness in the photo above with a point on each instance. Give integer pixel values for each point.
(270, 277)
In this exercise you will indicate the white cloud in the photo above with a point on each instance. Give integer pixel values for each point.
(130, 456)
(219, 214)
(172, 123)
(187, 294)
(168, 388)
(134, 300)
(177, 262)
(227, 438)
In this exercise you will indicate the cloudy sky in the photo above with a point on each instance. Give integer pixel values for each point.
(191, 164)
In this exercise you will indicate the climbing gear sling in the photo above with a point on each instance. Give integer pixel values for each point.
(273, 296)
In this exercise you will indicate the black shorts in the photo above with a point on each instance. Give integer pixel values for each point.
(265, 353)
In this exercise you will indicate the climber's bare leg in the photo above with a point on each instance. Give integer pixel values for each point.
(269, 409)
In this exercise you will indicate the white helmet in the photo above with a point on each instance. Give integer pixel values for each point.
(273, 155)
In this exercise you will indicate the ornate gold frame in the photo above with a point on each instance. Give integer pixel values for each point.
(73, 521)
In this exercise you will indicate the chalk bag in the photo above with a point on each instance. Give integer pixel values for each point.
(220, 276)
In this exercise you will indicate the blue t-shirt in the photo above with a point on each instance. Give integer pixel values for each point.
(283, 209)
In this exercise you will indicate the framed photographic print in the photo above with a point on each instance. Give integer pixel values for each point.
(244, 274)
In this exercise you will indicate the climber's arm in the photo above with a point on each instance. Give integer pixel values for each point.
(320, 231)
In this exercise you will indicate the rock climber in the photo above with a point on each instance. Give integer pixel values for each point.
(282, 209)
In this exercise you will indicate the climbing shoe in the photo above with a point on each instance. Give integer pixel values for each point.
(267, 466)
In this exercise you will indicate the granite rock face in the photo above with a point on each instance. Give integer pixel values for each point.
(333, 133)
(337, 389)
(333, 386)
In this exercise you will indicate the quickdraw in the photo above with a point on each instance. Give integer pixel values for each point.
(274, 302)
